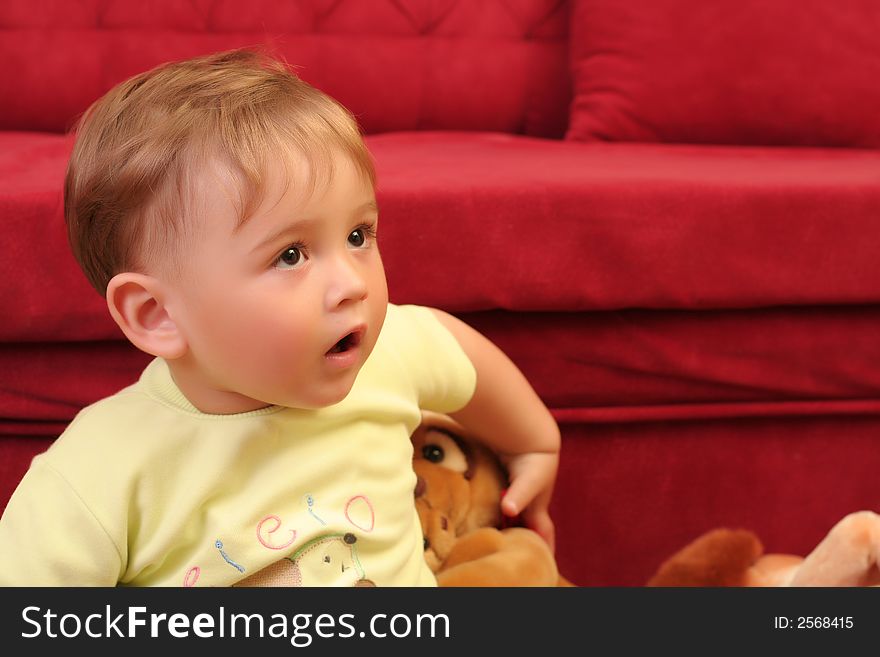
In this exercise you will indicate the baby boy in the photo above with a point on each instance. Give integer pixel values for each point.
(226, 209)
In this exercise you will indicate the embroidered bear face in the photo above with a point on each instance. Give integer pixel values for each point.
(324, 561)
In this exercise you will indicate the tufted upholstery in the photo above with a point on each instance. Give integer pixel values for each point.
(397, 64)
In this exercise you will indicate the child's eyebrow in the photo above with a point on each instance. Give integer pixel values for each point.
(369, 205)
(288, 229)
(303, 224)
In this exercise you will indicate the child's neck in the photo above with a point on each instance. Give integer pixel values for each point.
(205, 397)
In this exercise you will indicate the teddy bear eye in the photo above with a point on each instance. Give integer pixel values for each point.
(441, 449)
(433, 453)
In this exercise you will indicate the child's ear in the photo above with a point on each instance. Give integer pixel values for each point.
(137, 304)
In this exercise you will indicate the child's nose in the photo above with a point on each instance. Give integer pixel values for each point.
(346, 283)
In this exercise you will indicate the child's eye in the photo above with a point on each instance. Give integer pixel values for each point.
(359, 237)
(291, 257)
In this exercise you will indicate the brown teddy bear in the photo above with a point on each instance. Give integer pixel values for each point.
(458, 496)
(848, 556)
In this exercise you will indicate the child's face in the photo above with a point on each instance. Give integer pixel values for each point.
(285, 309)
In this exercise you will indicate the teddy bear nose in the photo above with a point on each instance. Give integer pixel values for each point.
(421, 486)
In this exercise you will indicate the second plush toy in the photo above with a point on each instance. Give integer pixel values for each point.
(848, 556)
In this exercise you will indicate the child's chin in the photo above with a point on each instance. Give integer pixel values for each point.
(330, 396)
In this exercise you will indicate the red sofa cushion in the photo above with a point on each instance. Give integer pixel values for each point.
(403, 65)
(529, 224)
(788, 72)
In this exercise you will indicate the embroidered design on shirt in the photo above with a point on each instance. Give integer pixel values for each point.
(219, 545)
(266, 542)
(191, 577)
(329, 560)
(359, 512)
(310, 501)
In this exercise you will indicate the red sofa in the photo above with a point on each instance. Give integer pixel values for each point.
(665, 212)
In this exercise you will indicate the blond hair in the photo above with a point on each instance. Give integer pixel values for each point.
(141, 148)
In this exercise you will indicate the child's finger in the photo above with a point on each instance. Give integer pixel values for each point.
(522, 491)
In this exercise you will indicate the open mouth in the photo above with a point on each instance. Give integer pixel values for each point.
(348, 342)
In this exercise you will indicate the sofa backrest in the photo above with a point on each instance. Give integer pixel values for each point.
(745, 72)
(493, 65)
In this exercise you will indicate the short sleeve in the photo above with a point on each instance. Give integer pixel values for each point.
(443, 375)
(48, 537)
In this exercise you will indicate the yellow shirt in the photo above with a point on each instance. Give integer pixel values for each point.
(143, 489)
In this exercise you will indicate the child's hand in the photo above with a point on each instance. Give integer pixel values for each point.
(532, 476)
(507, 415)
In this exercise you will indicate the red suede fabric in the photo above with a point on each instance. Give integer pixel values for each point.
(786, 72)
(642, 365)
(529, 224)
(630, 495)
(397, 64)
(45, 384)
(44, 296)
(590, 368)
